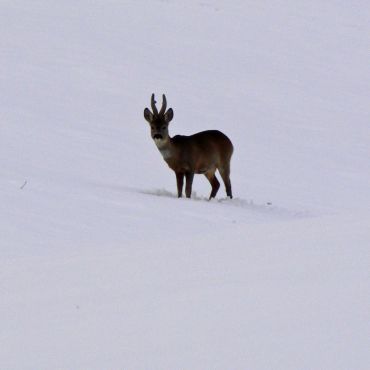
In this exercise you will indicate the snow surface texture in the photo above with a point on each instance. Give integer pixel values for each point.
(102, 267)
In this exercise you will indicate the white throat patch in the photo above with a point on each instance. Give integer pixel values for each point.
(163, 148)
(166, 153)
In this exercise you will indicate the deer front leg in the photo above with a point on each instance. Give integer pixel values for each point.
(189, 183)
(180, 183)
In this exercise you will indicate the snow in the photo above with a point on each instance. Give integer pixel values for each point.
(102, 267)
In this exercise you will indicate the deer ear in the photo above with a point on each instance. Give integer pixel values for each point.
(168, 115)
(148, 115)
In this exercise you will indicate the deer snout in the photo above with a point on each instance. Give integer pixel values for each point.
(157, 137)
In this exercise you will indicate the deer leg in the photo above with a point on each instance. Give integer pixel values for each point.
(214, 183)
(189, 182)
(180, 183)
(225, 174)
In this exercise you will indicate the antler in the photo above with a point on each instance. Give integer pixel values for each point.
(164, 105)
(154, 108)
(163, 108)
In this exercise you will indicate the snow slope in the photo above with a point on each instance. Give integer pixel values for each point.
(102, 267)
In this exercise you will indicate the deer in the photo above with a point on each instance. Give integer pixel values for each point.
(200, 153)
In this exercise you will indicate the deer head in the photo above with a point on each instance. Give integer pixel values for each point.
(159, 121)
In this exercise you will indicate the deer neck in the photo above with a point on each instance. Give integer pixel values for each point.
(165, 147)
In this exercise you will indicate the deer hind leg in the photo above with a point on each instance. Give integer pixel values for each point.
(180, 183)
(214, 182)
(225, 174)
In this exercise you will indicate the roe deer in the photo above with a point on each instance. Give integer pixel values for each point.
(201, 153)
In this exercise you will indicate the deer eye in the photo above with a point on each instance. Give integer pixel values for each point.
(163, 127)
(152, 127)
